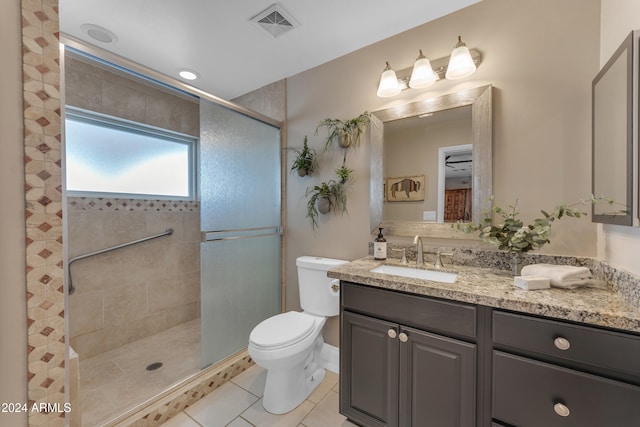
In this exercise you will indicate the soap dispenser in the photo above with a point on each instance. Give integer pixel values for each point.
(380, 247)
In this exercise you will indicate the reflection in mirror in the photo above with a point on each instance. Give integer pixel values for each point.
(406, 143)
(437, 146)
(612, 123)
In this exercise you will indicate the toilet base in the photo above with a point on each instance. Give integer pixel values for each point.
(285, 389)
(288, 387)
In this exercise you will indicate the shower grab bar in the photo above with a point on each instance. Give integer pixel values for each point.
(236, 234)
(72, 289)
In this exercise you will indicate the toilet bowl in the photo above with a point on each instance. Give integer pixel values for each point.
(288, 345)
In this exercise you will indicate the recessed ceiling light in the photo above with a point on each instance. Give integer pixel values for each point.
(188, 74)
(99, 33)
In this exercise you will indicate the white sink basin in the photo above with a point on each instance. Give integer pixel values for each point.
(416, 273)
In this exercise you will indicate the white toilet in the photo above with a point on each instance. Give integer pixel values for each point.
(288, 345)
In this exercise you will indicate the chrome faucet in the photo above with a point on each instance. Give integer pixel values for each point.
(439, 255)
(420, 256)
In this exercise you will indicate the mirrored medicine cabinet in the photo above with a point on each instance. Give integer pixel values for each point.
(615, 136)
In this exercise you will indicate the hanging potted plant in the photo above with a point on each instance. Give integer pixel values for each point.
(347, 133)
(305, 162)
(323, 198)
(344, 173)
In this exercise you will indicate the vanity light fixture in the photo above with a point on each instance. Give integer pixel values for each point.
(422, 75)
(388, 83)
(462, 63)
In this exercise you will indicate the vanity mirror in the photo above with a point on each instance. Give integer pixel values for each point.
(615, 136)
(462, 135)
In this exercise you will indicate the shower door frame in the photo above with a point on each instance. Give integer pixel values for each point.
(68, 40)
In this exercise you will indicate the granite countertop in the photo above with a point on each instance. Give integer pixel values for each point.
(593, 305)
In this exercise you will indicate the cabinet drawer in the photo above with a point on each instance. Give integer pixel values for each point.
(420, 312)
(528, 393)
(604, 352)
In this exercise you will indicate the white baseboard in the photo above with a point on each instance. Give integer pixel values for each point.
(330, 357)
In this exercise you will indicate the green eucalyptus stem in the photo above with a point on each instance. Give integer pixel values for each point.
(512, 235)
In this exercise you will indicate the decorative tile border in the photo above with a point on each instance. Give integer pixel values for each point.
(169, 407)
(43, 192)
(109, 204)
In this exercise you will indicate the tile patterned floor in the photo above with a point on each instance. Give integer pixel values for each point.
(238, 403)
(116, 381)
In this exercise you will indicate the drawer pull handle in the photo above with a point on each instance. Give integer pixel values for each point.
(562, 343)
(561, 410)
(392, 333)
(403, 337)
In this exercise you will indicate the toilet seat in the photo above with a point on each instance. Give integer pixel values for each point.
(282, 330)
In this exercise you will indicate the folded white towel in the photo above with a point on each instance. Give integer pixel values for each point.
(561, 276)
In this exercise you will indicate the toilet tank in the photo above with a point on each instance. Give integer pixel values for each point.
(316, 295)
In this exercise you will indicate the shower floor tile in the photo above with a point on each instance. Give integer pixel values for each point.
(117, 381)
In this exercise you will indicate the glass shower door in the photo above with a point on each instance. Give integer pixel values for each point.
(241, 230)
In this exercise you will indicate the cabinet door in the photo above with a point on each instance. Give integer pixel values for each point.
(437, 380)
(369, 370)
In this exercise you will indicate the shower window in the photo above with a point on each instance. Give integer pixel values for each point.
(111, 157)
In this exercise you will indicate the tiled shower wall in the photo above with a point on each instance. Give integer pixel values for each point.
(143, 289)
(95, 87)
(137, 291)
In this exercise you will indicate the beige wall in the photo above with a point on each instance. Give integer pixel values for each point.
(618, 245)
(13, 308)
(541, 116)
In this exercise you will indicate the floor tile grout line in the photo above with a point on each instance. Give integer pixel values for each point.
(191, 418)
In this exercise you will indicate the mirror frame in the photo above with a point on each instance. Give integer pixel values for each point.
(480, 100)
(627, 49)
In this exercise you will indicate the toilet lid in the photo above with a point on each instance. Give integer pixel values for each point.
(282, 330)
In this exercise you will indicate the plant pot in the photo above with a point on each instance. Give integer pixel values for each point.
(302, 172)
(344, 141)
(324, 205)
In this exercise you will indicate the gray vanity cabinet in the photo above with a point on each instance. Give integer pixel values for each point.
(558, 374)
(398, 368)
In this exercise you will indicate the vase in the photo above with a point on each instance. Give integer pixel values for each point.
(517, 263)
(302, 172)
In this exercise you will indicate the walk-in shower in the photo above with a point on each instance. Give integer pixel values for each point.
(161, 286)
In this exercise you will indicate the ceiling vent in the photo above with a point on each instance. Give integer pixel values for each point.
(275, 21)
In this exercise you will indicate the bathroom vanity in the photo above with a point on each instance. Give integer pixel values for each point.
(480, 352)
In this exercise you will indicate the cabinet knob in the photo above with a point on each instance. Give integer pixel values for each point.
(392, 333)
(561, 410)
(561, 343)
(403, 337)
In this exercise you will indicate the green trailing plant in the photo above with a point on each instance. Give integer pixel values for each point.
(306, 161)
(346, 132)
(331, 193)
